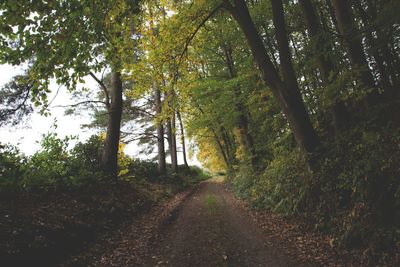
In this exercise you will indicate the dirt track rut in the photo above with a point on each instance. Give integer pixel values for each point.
(210, 230)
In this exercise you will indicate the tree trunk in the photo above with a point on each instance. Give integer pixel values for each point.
(271, 47)
(171, 132)
(229, 146)
(110, 153)
(353, 43)
(223, 152)
(325, 64)
(172, 145)
(285, 55)
(162, 166)
(331, 12)
(246, 139)
(182, 138)
(174, 154)
(378, 47)
(288, 97)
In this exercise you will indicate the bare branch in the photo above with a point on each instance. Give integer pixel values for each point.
(142, 111)
(80, 103)
(52, 100)
(12, 111)
(102, 85)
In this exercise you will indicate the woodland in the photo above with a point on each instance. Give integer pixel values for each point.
(295, 102)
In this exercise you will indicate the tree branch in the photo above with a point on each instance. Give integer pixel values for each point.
(81, 103)
(12, 111)
(100, 82)
(189, 40)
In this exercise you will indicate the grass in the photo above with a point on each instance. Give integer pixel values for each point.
(211, 204)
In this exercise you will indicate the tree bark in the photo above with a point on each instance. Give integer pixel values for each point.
(285, 55)
(331, 12)
(353, 43)
(171, 131)
(223, 152)
(229, 146)
(162, 166)
(288, 97)
(325, 64)
(174, 154)
(172, 145)
(378, 48)
(182, 138)
(111, 145)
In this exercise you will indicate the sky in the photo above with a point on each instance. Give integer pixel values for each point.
(27, 135)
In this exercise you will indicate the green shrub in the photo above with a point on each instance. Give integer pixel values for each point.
(354, 192)
(53, 167)
(85, 162)
(48, 168)
(360, 186)
(143, 170)
(12, 165)
(282, 187)
(192, 175)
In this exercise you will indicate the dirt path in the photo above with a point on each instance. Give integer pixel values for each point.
(210, 230)
(207, 226)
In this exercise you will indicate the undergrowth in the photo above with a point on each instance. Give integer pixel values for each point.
(353, 194)
(57, 200)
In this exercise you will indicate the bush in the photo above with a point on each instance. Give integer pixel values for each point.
(354, 193)
(48, 168)
(55, 167)
(51, 168)
(143, 170)
(12, 164)
(85, 162)
(282, 187)
(360, 185)
(192, 175)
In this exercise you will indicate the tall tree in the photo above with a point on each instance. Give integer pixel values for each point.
(172, 144)
(243, 117)
(14, 100)
(325, 63)
(378, 44)
(171, 129)
(110, 152)
(353, 43)
(288, 97)
(183, 139)
(68, 41)
(162, 166)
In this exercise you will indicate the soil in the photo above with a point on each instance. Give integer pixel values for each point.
(46, 229)
(203, 226)
(211, 230)
(206, 227)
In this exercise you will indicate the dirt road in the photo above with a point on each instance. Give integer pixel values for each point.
(207, 226)
(210, 230)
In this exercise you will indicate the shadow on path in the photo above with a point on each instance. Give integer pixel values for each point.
(210, 230)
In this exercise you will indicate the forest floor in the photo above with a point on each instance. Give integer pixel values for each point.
(205, 225)
(208, 226)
